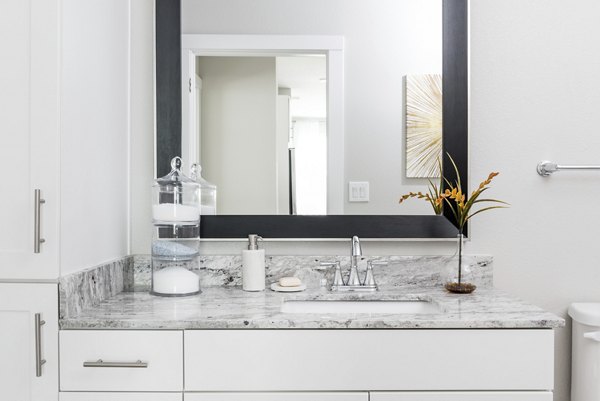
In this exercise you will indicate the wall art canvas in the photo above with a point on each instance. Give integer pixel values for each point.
(423, 125)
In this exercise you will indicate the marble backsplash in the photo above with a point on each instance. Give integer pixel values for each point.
(400, 270)
(133, 273)
(91, 286)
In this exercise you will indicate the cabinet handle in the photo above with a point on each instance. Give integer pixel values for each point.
(39, 361)
(37, 240)
(102, 364)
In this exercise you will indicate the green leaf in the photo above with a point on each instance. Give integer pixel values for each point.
(454, 212)
(433, 189)
(459, 186)
(491, 200)
(450, 186)
(473, 198)
(484, 209)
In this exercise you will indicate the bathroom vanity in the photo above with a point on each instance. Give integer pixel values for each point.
(221, 364)
(418, 343)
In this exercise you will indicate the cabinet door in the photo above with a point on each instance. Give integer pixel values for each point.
(159, 351)
(29, 110)
(19, 304)
(380, 360)
(121, 397)
(463, 396)
(276, 396)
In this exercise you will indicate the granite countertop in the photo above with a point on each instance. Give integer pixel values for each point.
(232, 308)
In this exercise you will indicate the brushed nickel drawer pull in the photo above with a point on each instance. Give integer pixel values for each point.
(102, 364)
(37, 236)
(39, 361)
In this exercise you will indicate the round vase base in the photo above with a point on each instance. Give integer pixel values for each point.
(462, 288)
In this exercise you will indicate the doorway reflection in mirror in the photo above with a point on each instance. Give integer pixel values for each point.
(262, 128)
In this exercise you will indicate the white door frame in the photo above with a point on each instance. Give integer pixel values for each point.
(198, 116)
(273, 45)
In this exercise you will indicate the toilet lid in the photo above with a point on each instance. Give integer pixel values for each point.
(586, 312)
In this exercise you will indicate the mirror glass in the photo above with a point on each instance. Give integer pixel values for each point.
(261, 122)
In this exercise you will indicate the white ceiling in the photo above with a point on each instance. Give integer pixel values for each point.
(304, 75)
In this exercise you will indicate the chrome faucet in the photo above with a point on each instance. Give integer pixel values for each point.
(354, 283)
(355, 255)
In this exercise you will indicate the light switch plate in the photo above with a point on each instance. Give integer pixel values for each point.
(358, 191)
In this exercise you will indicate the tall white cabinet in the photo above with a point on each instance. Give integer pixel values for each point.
(64, 106)
(64, 132)
(29, 346)
(29, 164)
(29, 138)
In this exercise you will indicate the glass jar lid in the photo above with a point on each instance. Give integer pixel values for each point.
(196, 175)
(175, 178)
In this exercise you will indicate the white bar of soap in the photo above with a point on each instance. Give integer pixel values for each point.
(290, 282)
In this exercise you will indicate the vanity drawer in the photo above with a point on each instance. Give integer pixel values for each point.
(464, 396)
(354, 360)
(121, 360)
(120, 397)
(309, 396)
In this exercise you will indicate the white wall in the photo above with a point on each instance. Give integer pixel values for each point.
(142, 123)
(239, 97)
(384, 41)
(94, 132)
(534, 96)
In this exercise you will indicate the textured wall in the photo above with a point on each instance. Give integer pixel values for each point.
(535, 95)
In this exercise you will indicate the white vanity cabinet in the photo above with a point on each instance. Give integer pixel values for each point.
(371, 396)
(311, 365)
(29, 137)
(29, 333)
(338, 396)
(121, 396)
(462, 396)
(369, 360)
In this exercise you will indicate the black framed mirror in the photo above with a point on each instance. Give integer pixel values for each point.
(455, 141)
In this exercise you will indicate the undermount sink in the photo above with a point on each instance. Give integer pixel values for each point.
(360, 306)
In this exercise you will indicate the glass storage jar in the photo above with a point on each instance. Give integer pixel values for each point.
(175, 260)
(176, 236)
(208, 191)
(175, 197)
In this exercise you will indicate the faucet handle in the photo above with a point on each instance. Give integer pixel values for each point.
(369, 277)
(337, 277)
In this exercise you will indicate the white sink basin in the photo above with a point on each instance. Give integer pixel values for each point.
(394, 307)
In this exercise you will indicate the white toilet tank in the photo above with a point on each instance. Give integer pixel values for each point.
(585, 360)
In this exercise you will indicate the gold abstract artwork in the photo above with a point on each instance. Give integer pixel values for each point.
(423, 125)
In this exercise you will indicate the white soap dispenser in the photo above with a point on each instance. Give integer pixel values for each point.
(253, 265)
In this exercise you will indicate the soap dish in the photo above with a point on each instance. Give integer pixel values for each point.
(278, 288)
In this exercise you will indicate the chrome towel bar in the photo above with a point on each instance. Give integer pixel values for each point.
(546, 168)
